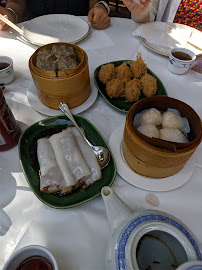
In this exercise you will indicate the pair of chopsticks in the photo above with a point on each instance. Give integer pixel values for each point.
(177, 34)
(12, 25)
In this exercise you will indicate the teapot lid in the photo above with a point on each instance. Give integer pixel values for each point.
(192, 265)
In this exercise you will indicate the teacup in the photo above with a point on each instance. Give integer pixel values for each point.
(6, 70)
(29, 252)
(180, 60)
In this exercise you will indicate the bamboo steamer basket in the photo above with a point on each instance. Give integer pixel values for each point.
(71, 86)
(154, 157)
(80, 56)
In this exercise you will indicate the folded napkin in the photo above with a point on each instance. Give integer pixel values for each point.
(170, 35)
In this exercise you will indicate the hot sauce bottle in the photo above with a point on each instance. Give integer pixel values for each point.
(9, 129)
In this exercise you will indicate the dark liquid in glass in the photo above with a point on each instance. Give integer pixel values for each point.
(35, 263)
(182, 56)
(3, 65)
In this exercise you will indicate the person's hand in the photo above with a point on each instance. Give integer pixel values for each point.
(98, 17)
(9, 15)
(139, 8)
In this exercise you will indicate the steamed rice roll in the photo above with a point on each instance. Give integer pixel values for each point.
(89, 156)
(51, 178)
(69, 157)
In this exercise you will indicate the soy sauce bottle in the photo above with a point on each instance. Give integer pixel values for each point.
(9, 129)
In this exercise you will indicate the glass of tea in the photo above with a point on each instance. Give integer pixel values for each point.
(6, 70)
(31, 257)
(180, 60)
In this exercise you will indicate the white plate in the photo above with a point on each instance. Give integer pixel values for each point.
(35, 102)
(147, 183)
(156, 48)
(55, 28)
(157, 38)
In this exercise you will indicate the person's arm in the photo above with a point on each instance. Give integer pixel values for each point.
(14, 11)
(140, 9)
(98, 15)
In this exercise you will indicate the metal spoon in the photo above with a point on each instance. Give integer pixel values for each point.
(102, 154)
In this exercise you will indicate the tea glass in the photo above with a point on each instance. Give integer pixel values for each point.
(179, 66)
(7, 73)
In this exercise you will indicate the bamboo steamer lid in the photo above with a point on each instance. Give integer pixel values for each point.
(71, 86)
(147, 156)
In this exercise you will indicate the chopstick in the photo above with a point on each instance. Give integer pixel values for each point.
(12, 25)
(174, 32)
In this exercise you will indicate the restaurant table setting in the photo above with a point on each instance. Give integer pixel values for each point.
(80, 231)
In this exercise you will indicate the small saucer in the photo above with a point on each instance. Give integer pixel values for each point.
(147, 183)
(36, 103)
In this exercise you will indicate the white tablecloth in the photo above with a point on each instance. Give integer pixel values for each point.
(79, 236)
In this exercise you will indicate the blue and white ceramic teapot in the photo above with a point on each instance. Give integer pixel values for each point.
(146, 239)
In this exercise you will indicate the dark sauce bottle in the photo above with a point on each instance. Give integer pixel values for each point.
(9, 129)
(35, 263)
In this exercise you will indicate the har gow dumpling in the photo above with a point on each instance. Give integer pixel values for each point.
(172, 120)
(151, 116)
(149, 130)
(172, 135)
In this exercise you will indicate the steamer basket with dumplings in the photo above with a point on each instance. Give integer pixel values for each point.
(71, 85)
(153, 157)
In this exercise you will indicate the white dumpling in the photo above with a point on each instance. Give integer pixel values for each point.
(151, 116)
(172, 135)
(172, 120)
(149, 130)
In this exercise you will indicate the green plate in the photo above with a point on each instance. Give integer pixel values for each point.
(29, 162)
(120, 103)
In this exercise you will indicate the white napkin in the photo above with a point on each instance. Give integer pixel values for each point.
(96, 39)
(170, 35)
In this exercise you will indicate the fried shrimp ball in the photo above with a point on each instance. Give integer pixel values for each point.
(149, 85)
(115, 88)
(132, 90)
(123, 72)
(138, 68)
(107, 72)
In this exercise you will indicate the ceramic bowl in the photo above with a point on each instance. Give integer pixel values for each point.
(20, 255)
(7, 73)
(180, 66)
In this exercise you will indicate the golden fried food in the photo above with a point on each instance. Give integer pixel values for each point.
(149, 85)
(115, 88)
(138, 68)
(106, 73)
(132, 90)
(123, 72)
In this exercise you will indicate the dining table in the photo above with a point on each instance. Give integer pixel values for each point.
(79, 236)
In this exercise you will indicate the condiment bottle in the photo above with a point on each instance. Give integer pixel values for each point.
(9, 129)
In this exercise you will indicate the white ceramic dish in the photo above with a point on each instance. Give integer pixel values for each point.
(26, 252)
(161, 34)
(147, 183)
(163, 50)
(35, 102)
(55, 28)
